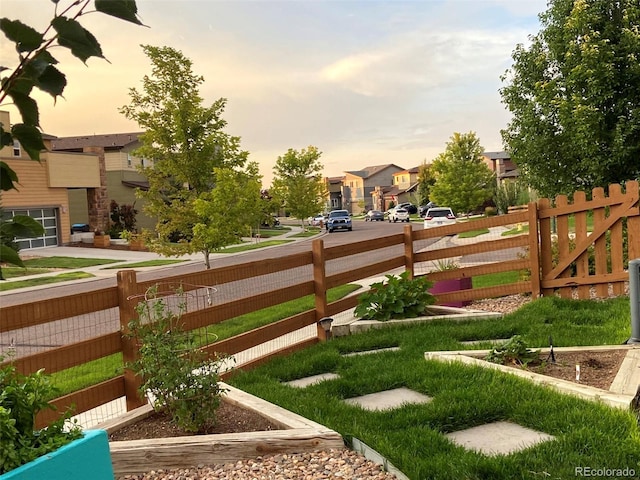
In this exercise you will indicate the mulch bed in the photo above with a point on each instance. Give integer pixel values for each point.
(597, 369)
(229, 419)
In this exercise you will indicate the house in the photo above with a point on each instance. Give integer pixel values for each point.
(358, 186)
(121, 172)
(43, 189)
(501, 164)
(334, 191)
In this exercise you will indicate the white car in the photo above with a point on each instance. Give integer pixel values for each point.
(318, 220)
(439, 216)
(399, 215)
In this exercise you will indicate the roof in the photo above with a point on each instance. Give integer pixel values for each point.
(335, 179)
(108, 141)
(497, 155)
(409, 170)
(367, 172)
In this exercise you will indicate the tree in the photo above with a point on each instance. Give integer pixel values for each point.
(36, 69)
(575, 97)
(426, 180)
(463, 180)
(227, 212)
(186, 144)
(298, 182)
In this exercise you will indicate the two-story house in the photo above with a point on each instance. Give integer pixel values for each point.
(358, 186)
(121, 172)
(43, 189)
(501, 164)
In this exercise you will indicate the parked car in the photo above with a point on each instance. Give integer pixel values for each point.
(409, 207)
(338, 220)
(398, 215)
(438, 216)
(374, 215)
(318, 221)
(422, 209)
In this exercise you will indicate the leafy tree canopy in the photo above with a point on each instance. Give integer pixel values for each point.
(426, 180)
(575, 97)
(298, 182)
(187, 146)
(463, 180)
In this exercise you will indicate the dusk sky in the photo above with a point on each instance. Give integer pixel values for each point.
(367, 82)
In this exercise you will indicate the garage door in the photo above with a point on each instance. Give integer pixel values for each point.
(49, 220)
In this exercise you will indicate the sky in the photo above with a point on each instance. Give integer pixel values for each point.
(367, 82)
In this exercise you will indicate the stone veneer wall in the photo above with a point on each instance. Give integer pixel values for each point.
(97, 198)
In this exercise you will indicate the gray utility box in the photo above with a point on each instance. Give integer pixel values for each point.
(634, 296)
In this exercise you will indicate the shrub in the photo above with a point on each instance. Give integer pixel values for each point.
(176, 374)
(399, 297)
(22, 397)
(514, 352)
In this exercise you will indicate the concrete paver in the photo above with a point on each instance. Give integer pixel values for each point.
(312, 380)
(389, 399)
(498, 438)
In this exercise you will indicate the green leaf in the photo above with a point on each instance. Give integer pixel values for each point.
(123, 9)
(52, 81)
(27, 106)
(30, 138)
(8, 255)
(38, 64)
(8, 177)
(25, 37)
(5, 137)
(75, 37)
(22, 226)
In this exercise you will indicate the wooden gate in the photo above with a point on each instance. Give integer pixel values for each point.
(583, 243)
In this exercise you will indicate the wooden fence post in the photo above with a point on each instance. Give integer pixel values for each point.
(534, 252)
(408, 249)
(127, 288)
(319, 285)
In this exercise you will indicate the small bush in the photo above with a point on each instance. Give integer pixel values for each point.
(22, 397)
(176, 373)
(399, 297)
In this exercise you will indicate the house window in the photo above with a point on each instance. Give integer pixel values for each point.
(128, 160)
(16, 149)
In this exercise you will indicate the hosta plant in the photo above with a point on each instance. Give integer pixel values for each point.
(397, 297)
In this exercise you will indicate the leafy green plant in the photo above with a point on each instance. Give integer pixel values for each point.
(400, 297)
(21, 398)
(514, 351)
(178, 376)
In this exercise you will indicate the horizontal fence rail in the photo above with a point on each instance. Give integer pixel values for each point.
(570, 248)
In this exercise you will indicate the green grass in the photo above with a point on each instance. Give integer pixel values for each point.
(253, 246)
(309, 232)
(524, 228)
(273, 232)
(412, 436)
(147, 263)
(34, 282)
(14, 272)
(82, 376)
(494, 279)
(67, 262)
(473, 233)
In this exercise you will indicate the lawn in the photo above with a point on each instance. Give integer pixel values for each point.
(146, 263)
(34, 282)
(412, 437)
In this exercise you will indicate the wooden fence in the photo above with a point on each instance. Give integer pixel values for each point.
(314, 272)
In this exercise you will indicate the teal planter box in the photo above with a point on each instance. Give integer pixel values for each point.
(85, 458)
